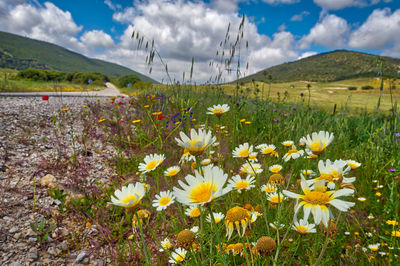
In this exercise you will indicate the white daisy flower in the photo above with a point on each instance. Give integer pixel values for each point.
(275, 198)
(268, 188)
(166, 244)
(253, 157)
(362, 199)
(201, 189)
(308, 172)
(129, 196)
(187, 157)
(267, 149)
(253, 169)
(151, 162)
(218, 110)
(243, 151)
(205, 162)
(374, 247)
(276, 168)
(177, 256)
(293, 153)
(276, 226)
(193, 211)
(198, 141)
(353, 164)
(195, 229)
(254, 215)
(303, 227)
(319, 200)
(333, 172)
(218, 216)
(241, 184)
(287, 143)
(172, 171)
(163, 200)
(318, 142)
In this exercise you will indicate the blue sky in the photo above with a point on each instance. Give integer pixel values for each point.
(277, 30)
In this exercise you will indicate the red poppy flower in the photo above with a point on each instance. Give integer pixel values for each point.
(156, 124)
(160, 117)
(130, 102)
(45, 98)
(122, 120)
(120, 103)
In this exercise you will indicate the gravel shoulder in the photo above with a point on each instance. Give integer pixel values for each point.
(28, 148)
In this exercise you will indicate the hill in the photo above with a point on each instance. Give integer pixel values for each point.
(331, 66)
(19, 52)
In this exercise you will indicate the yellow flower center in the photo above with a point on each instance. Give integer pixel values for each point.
(237, 214)
(290, 152)
(164, 201)
(173, 172)
(253, 156)
(129, 198)
(195, 212)
(275, 169)
(151, 165)
(317, 148)
(243, 153)
(302, 229)
(268, 150)
(202, 192)
(243, 184)
(217, 219)
(218, 111)
(276, 199)
(269, 189)
(180, 257)
(317, 198)
(327, 177)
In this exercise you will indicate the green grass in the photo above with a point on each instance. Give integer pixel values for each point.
(368, 139)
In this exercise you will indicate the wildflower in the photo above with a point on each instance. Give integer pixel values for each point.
(172, 171)
(396, 233)
(243, 151)
(197, 143)
(236, 248)
(146, 106)
(185, 239)
(65, 109)
(205, 162)
(151, 162)
(378, 194)
(248, 122)
(177, 256)
(251, 169)
(136, 121)
(268, 188)
(303, 227)
(253, 157)
(202, 188)
(293, 153)
(276, 168)
(242, 120)
(276, 179)
(122, 120)
(241, 184)
(275, 198)
(353, 164)
(143, 216)
(318, 142)
(236, 216)
(374, 247)
(333, 172)
(319, 200)
(193, 211)
(156, 113)
(163, 200)
(392, 170)
(187, 157)
(254, 215)
(45, 98)
(129, 196)
(101, 120)
(195, 229)
(166, 244)
(218, 110)
(265, 246)
(276, 226)
(218, 216)
(371, 216)
(392, 222)
(361, 199)
(287, 143)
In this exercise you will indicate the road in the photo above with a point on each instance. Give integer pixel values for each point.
(110, 91)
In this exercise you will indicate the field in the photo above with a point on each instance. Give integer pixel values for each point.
(9, 84)
(228, 200)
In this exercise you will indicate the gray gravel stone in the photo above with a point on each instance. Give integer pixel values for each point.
(81, 256)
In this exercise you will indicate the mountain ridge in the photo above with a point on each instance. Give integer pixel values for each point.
(20, 52)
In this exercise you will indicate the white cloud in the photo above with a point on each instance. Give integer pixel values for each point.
(299, 17)
(330, 32)
(225, 5)
(125, 16)
(97, 38)
(112, 6)
(306, 54)
(380, 30)
(340, 4)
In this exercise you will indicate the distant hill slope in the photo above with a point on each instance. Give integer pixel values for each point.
(331, 66)
(19, 52)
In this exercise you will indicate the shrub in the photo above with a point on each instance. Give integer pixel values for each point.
(367, 87)
(352, 88)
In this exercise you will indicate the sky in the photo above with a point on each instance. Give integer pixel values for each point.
(275, 31)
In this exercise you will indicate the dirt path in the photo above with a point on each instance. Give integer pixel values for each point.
(110, 91)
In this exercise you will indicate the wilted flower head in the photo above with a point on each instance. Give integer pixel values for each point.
(236, 217)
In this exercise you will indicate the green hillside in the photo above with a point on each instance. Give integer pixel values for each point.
(332, 66)
(19, 52)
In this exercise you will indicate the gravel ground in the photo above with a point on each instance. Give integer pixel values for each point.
(27, 145)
